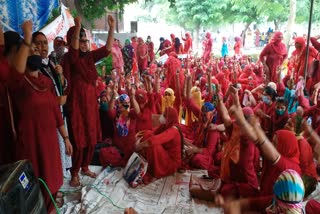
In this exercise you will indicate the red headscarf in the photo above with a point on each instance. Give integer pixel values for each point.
(302, 42)
(208, 35)
(287, 145)
(141, 96)
(171, 116)
(277, 45)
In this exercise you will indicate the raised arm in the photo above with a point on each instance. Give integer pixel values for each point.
(224, 113)
(209, 70)
(157, 81)
(110, 39)
(313, 139)
(76, 33)
(254, 132)
(20, 59)
(134, 101)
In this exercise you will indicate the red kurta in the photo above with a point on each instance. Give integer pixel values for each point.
(266, 123)
(307, 164)
(142, 51)
(82, 101)
(5, 141)
(242, 180)
(164, 154)
(145, 116)
(126, 144)
(37, 117)
(187, 44)
(150, 51)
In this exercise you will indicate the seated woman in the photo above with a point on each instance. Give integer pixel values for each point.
(280, 117)
(288, 197)
(124, 123)
(239, 158)
(283, 154)
(162, 147)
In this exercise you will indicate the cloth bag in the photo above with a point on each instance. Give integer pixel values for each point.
(204, 188)
(135, 169)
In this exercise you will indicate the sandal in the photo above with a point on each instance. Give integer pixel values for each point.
(75, 181)
(89, 173)
(59, 199)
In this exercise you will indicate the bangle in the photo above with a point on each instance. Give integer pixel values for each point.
(261, 143)
(65, 138)
(26, 44)
(76, 37)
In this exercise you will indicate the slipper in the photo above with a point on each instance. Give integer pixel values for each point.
(89, 173)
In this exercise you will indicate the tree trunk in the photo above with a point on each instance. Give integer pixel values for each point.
(196, 39)
(117, 20)
(276, 25)
(291, 21)
(243, 34)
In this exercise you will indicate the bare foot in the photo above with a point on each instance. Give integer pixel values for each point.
(89, 173)
(75, 181)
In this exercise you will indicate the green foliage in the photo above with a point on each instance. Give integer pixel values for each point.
(107, 61)
(54, 14)
(94, 9)
(303, 10)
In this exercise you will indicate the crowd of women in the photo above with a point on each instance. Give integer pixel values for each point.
(253, 124)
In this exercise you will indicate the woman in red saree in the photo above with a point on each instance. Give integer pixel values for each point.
(237, 47)
(142, 55)
(238, 159)
(150, 45)
(80, 71)
(162, 147)
(273, 55)
(207, 48)
(300, 59)
(187, 43)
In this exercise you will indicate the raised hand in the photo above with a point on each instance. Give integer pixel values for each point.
(77, 21)
(111, 21)
(27, 30)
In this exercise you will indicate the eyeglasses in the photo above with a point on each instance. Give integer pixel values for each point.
(83, 40)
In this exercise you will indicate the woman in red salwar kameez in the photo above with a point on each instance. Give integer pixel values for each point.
(207, 48)
(162, 147)
(82, 105)
(187, 43)
(142, 55)
(37, 117)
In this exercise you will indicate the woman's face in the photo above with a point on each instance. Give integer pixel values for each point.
(297, 45)
(42, 45)
(84, 44)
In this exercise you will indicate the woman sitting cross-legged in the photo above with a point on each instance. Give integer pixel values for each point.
(162, 147)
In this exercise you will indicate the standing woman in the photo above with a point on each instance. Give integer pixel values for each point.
(142, 55)
(187, 43)
(151, 54)
(207, 47)
(178, 47)
(224, 48)
(273, 55)
(82, 105)
(237, 47)
(54, 72)
(128, 55)
(37, 118)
